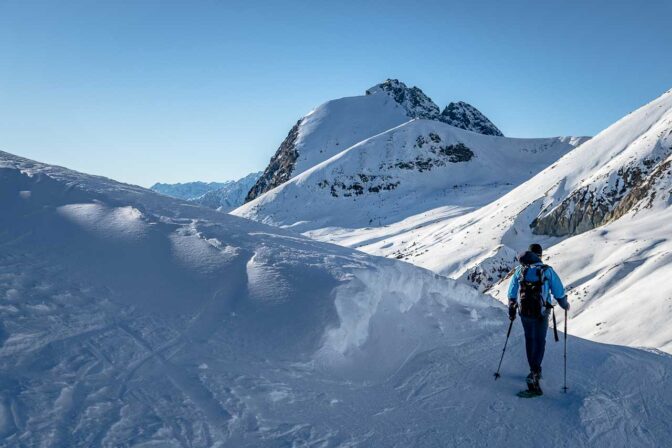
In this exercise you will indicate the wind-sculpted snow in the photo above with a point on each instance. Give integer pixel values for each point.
(128, 318)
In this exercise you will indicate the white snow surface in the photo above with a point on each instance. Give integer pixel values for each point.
(338, 124)
(615, 273)
(133, 319)
(416, 167)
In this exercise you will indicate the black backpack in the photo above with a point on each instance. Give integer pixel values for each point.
(531, 300)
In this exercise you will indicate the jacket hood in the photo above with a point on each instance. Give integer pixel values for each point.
(528, 258)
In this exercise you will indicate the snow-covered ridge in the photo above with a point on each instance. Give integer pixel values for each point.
(339, 124)
(131, 318)
(413, 168)
(637, 166)
(418, 105)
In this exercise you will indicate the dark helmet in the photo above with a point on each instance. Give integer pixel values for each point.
(535, 248)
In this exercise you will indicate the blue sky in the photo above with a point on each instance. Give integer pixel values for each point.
(145, 91)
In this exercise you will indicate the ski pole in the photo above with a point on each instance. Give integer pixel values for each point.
(508, 333)
(564, 388)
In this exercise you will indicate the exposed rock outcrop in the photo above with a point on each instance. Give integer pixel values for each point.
(413, 100)
(605, 200)
(465, 116)
(279, 170)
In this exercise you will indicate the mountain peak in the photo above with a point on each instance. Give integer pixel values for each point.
(412, 99)
(465, 116)
(418, 105)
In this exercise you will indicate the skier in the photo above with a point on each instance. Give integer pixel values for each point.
(534, 282)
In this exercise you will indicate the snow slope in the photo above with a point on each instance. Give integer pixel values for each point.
(130, 318)
(408, 170)
(603, 209)
(338, 124)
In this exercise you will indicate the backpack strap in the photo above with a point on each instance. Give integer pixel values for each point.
(523, 273)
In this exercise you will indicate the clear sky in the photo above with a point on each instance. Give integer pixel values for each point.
(145, 91)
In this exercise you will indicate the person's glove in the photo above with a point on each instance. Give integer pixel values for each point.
(513, 308)
(564, 303)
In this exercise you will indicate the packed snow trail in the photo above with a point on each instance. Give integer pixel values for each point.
(133, 319)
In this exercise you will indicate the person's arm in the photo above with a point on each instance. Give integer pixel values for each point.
(558, 290)
(513, 295)
(514, 284)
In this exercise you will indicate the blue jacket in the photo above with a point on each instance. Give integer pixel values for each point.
(552, 283)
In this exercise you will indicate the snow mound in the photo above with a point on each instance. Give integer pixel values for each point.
(129, 318)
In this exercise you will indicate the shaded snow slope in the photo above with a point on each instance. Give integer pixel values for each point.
(132, 319)
(338, 124)
(413, 168)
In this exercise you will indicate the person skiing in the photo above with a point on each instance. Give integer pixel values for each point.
(534, 283)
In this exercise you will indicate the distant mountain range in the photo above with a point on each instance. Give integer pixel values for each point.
(223, 196)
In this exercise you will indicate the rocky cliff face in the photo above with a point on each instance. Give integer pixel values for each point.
(608, 197)
(465, 116)
(406, 102)
(413, 100)
(279, 170)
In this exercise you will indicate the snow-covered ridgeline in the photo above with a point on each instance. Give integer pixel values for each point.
(409, 169)
(338, 124)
